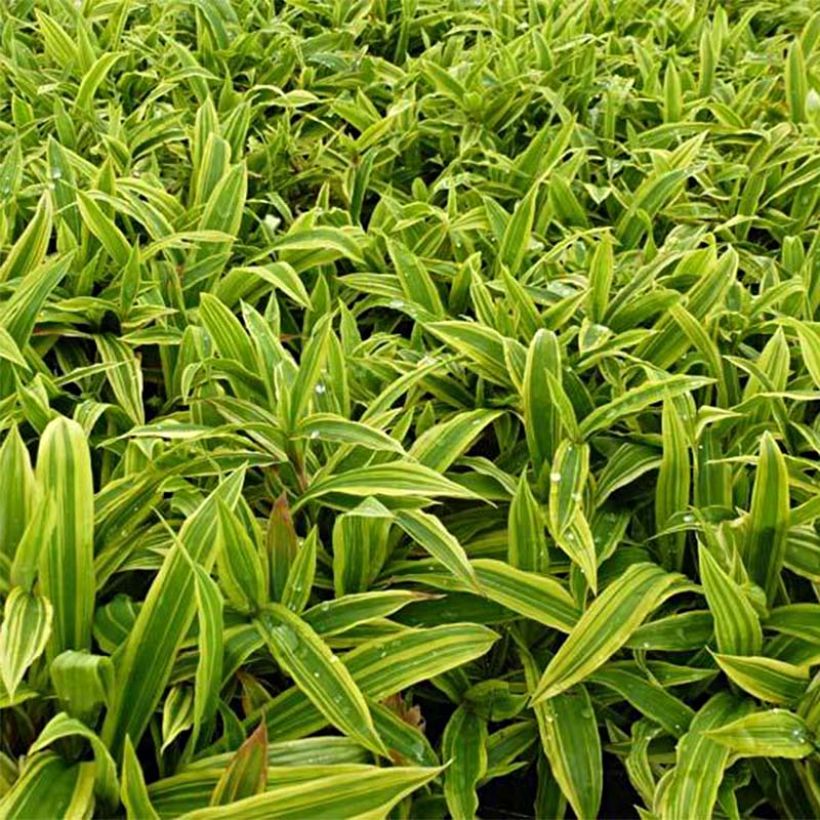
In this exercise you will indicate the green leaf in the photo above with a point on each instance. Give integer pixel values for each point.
(310, 371)
(517, 235)
(570, 470)
(20, 312)
(240, 569)
(348, 611)
(133, 792)
(124, 375)
(318, 673)
(104, 228)
(569, 736)
(638, 399)
(51, 787)
(211, 645)
(416, 282)
(796, 83)
(648, 698)
(397, 479)
(27, 624)
(776, 733)
(439, 446)
(330, 427)
(675, 633)
(542, 420)
(737, 626)
(534, 596)
(464, 745)
(700, 761)
(67, 558)
(29, 250)
(17, 487)
(93, 78)
(601, 273)
(228, 335)
(766, 678)
(809, 335)
(527, 548)
(799, 620)
(406, 742)
(281, 546)
(279, 274)
(301, 575)
(82, 683)
(764, 548)
(177, 714)
(605, 627)
(427, 531)
(672, 491)
(106, 784)
(360, 544)
(384, 666)
(364, 793)
(163, 621)
(481, 345)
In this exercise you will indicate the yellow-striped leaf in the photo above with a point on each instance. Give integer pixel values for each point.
(369, 792)
(672, 490)
(527, 544)
(605, 627)
(163, 621)
(427, 531)
(694, 781)
(766, 678)
(67, 559)
(318, 673)
(534, 596)
(570, 470)
(569, 736)
(464, 746)
(133, 793)
(765, 545)
(30, 249)
(25, 630)
(737, 626)
(776, 733)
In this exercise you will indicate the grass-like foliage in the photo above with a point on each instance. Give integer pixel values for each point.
(409, 408)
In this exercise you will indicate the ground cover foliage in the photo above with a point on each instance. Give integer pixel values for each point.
(409, 407)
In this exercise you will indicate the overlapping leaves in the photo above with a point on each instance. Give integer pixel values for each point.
(403, 405)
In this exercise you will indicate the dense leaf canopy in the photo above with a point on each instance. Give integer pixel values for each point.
(409, 407)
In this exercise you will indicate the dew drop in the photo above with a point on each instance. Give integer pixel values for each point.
(320, 388)
(555, 477)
